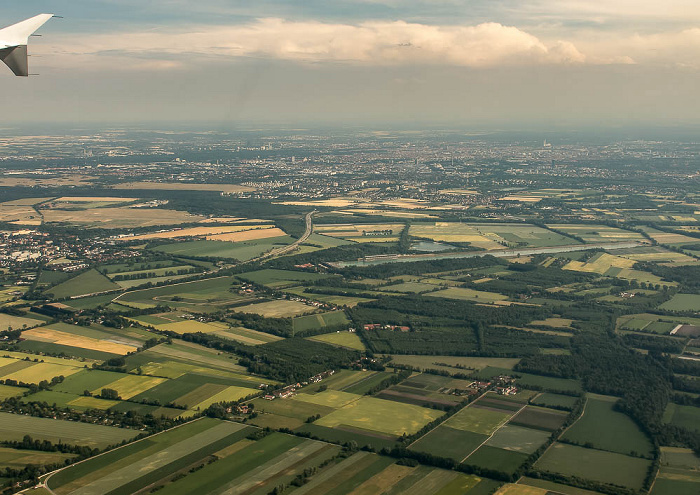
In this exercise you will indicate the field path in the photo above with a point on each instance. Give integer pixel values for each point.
(494, 431)
(583, 411)
(271, 468)
(44, 483)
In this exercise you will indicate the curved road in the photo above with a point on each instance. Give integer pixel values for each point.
(291, 247)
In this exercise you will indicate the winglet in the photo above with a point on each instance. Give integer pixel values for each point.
(13, 43)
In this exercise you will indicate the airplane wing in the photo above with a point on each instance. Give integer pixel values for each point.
(14, 40)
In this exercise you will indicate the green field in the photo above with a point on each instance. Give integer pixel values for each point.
(130, 468)
(478, 420)
(596, 465)
(454, 364)
(539, 418)
(552, 487)
(555, 400)
(444, 441)
(242, 251)
(322, 320)
(6, 391)
(349, 340)
(683, 416)
(19, 458)
(490, 457)
(525, 379)
(682, 302)
(14, 427)
(679, 473)
(212, 290)
(381, 416)
(604, 428)
(518, 439)
(464, 294)
(280, 278)
(87, 282)
(9, 322)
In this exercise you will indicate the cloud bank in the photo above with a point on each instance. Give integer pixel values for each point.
(370, 43)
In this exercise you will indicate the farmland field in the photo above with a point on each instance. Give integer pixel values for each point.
(518, 439)
(684, 416)
(341, 339)
(597, 465)
(14, 427)
(276, 309)
(555, 400)
(242, 251)
(527, 379)
(322, 320)
(540, 418)
(547, 487)
(682, 302)
(604, 428)
(598, 233)
(88, 282)
(478, 420)
(19, 458)
(444, 441)
(679, 473)
(380, 415)
(118, 218)
(17, 322)
(464, 294)
(489, 457)
(135, 466)
(454, 364)
(280, 278)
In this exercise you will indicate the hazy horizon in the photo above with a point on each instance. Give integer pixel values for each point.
(475, 64)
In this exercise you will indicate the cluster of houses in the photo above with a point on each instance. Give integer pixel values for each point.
(378, 326)
(289, 390)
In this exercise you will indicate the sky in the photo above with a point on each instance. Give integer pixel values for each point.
(469, 63)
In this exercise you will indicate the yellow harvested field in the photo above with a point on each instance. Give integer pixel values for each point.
(248, 235)
(17, 322)
(521, 490)
(467, 192)
(522, 199)
(41, 371)
(600, 264)
(664, 238)
(196, 232)
(276, 309)
(229, 394)
(192, 326)
(25, 202)
(93, 403)
(221, 219)
(409, 204)
(119, 217)
(132, 385)
(20, 215)
(46, 334)
(93, 199)
(66, 180)
(384, 480)
(334, 203)
(184, 186)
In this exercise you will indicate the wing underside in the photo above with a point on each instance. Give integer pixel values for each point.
(13, 43)
(16, 59)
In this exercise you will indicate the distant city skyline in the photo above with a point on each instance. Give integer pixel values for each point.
(496, 64)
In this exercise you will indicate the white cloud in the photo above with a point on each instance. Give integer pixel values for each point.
(368, 43)
(371, 43)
